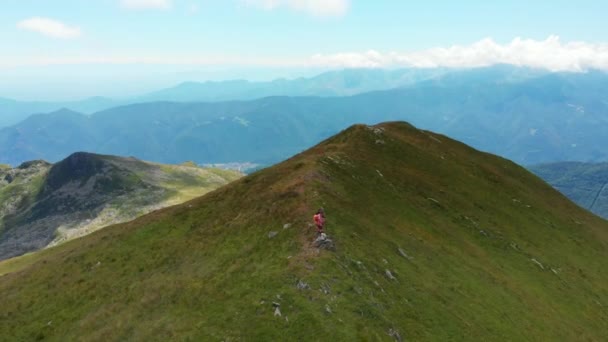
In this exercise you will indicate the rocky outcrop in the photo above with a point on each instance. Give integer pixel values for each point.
(43, 204)
(324, 242)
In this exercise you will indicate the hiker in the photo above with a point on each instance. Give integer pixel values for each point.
(319, 219)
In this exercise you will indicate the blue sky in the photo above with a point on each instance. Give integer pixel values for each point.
(144, 44)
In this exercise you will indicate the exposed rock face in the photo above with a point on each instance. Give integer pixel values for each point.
(43, 204)
(19, 188)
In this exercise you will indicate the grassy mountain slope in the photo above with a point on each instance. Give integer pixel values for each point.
(434, 241)
(42, 203)
(584, 183)
(547, 118)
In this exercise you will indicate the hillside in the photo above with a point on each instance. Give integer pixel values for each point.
(547, 118)
(42, 204)
(586, 184)
(433, 241)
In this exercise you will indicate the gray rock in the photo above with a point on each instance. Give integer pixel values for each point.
(389, 275)
(286, 225)
(324, 242)
(403, 254)
(538, 263)
(272, 234)
(395, 334)
(301, 285)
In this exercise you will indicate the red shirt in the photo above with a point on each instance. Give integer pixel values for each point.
(319, 220)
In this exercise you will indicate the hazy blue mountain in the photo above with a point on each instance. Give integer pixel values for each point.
(531, 120)
(584, 183)
(12, 111)
(333, 83)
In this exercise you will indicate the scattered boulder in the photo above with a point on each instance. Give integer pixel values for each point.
(324, 242)
(301, 285)
(403, 254)
(394, 334)
(538, 263)
(286, 225)
(434, 201)
(272, 234)
(389, 275)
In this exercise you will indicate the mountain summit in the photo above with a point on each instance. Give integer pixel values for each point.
(433, 241)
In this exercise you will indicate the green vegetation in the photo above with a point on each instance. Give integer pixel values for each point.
(19, 189)
(586, 184)
(434, 241)
(189, 163)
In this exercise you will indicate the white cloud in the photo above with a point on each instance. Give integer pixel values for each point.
(551, 54)
(314, 7)
(50, 28)
(147, 4)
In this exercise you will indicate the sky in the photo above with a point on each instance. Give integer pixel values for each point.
(67, 49)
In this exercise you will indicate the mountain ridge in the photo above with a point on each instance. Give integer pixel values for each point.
(544, 119)
(433, 240)
(42, 204)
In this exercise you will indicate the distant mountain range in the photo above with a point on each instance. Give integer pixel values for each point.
(334, 83)
(42, 204)
(584, 183)
(12, 111)
(431, 241)
(512, 112)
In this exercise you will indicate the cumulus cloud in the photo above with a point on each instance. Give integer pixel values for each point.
(147, 4)
(50, 28)
(551, 54)
(314, 7)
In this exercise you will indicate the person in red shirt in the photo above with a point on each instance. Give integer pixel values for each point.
(319, 219)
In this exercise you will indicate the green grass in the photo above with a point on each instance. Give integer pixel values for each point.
(470, 222)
